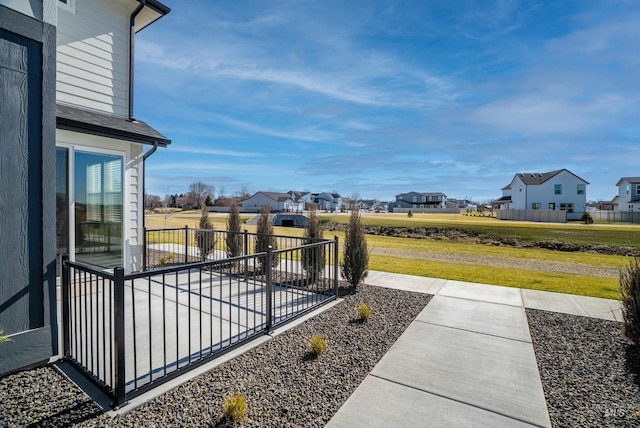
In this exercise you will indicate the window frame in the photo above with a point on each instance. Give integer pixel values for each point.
(557, 189)
(581, 189)
(68, 5)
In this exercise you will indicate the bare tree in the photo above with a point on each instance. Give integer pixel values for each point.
(198, 193)
(152, 201)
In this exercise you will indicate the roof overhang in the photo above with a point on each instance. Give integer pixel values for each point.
(152, 11)
(88, 122)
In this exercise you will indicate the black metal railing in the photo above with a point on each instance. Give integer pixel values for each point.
(174, 246)
(130, 332)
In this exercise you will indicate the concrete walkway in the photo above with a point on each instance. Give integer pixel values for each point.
(466, 360)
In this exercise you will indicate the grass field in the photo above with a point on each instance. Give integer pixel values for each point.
(401, 257)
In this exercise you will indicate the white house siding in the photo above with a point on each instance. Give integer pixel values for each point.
(133, 172)
(523, 196)
(256, 201)
(92, 56)
(624, 198)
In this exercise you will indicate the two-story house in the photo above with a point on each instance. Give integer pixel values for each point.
(628, 198)
(555, 190)
(420, 200)
(72, 158)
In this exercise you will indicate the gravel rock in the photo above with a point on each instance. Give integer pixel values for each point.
(284, 385)
(590, 372)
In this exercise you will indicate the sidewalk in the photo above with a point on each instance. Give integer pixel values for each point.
(466, 360)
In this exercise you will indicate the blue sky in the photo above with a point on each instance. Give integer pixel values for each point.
(386, 97)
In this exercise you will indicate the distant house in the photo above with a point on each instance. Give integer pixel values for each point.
(327, 201)
(418, 200)
(277, 202)
(555, 190)
(628, 198)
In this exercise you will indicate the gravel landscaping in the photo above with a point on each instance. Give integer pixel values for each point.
(590, 372)
(283, 383)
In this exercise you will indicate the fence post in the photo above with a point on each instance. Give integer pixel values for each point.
(119, 339)
(186, 244)
(66, 327)
(335, 266)
(269, 287)
(144, 248)
(245, 252)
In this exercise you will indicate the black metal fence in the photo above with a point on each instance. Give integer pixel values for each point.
(131, 332)
(174, 246)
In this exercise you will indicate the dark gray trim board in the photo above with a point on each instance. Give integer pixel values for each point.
(35, 343)
(88, 122)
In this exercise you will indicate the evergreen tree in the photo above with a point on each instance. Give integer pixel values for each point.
(205, 235)
(313, 259)
(234, 237)
(264, 236)
(355, 259)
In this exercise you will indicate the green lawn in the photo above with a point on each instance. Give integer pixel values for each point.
(627, 235)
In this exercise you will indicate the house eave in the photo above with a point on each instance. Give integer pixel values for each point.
(78, 120)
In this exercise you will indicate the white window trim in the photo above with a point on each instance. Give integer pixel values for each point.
(72, 148)
(69, 6)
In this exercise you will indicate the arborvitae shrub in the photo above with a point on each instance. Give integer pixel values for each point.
(313, 259)
(234, 237)
(264, 237)
(630, 292)
(205, 235)
(355, 259)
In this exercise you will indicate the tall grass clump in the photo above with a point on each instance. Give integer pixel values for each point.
(317, 345)
(364, 312)
(235, 408)
(264, 236)
(313, 259)
(3, 338)
(205, 235)
(234, 237)
(630, 293)
(355, 259)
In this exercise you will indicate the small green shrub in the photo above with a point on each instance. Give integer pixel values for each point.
(3, 338)
(162, 261)
(235, 407)
(171, 256)
(364, 312)
(630, 292)
(586, 218)
(317, 345)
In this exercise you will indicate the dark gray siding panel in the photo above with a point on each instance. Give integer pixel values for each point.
(27, 196)
(14, 192)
